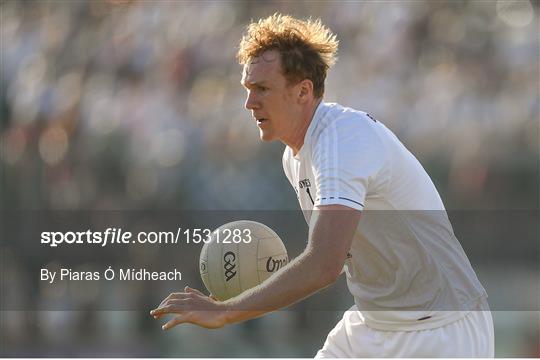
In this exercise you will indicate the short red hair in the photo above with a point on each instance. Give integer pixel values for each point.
(307, 48)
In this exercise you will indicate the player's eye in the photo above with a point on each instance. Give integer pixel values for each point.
(262, 88)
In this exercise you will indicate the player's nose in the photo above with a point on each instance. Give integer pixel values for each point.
(251, 102)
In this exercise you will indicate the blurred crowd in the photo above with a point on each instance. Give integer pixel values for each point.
(126, 104)
(133, 104)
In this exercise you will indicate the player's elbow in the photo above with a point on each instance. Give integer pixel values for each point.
(326, 280)
(329, 273)
(321, 268)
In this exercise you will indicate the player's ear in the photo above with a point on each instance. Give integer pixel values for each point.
(305, 90)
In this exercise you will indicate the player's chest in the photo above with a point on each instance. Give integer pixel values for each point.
(304, 184)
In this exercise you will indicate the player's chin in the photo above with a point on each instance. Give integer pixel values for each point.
(266, 135)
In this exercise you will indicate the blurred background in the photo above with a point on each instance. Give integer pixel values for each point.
(130, 105)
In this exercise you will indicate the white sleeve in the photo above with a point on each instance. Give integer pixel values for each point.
(347, 157)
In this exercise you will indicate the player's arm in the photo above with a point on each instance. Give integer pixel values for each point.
(319, 265)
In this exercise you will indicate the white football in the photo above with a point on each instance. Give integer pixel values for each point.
(238, 256)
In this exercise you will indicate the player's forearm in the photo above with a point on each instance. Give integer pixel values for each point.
(299, 279)
(318, 266)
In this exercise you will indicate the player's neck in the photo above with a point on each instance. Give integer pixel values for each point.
(297, 139)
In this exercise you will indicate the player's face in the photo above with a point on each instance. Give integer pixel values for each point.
(270, 98)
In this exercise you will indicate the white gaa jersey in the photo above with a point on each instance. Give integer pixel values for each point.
(406, 269)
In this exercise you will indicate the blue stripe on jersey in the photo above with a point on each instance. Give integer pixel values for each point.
(342, 198)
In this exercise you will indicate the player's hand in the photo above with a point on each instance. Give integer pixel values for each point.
(191, 306)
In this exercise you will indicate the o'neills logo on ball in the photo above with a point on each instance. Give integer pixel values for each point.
(275, 264)
(229, 265)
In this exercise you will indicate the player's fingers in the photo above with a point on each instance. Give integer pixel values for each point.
(157, 317)
(169, 309)
(160, 311)
(163, 310)
(178, 295)
(171, 306)
(166, 309)
(179, 304)
(192, 290)
(170, 296)
(175, 321)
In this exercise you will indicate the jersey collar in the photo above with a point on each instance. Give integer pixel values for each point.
(319, 113)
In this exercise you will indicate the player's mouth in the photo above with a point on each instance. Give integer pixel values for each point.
(261, 121)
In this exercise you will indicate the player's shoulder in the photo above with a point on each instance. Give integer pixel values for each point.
(339, 120)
